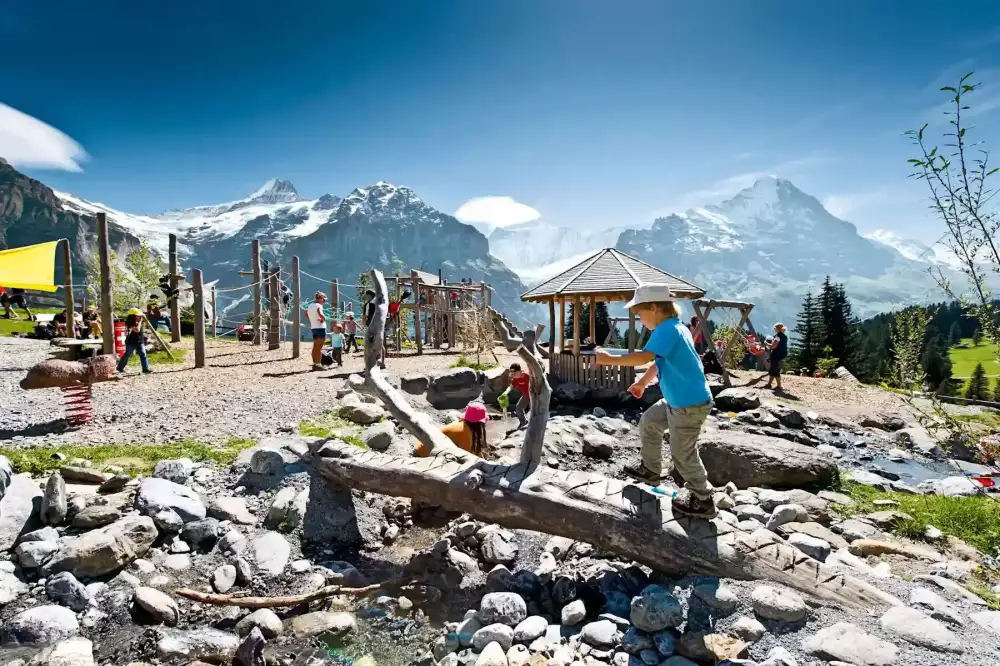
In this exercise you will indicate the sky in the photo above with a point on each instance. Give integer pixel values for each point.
(577, 112)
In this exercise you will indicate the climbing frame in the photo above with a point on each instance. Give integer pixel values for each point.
(703, 308)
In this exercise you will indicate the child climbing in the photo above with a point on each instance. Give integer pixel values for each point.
(337, 343)
(686, 401)
(317, 322)
(468, 433)
(521, 381)
(134, 342)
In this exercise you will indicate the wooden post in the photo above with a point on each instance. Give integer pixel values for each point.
(297, 309)
(274, 312)
(334, 298)
(416, 311)
(593, 321)
(175, 305)
(552, 326)
(68, 286)
(562, 323)
(215, 316)
(489, 295)
(399, 320)
(631, 331)
(107, 316)
(199, 318)
(576, 326)
(255, 266)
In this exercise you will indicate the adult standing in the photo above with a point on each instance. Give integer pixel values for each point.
(317, 324)
(779, 350)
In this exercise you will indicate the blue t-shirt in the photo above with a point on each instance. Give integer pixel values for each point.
(682, 377)
(336, 340)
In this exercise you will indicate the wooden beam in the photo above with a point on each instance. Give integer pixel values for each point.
(199, 318)
(215, 315)
(723, 304)
(334, 297)
(68, 288)
(577, 315)
(175, 305)
(255, 265)
(707, 336)
(593, 320)
(552, 327)
(297, 309)
(562, 324)
(632, 340)
(274, 312)
(107, 313)
(417, 290)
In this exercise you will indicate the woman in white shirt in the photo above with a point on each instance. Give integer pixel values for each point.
(317, 322)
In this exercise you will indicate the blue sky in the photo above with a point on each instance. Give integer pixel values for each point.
(590, 112)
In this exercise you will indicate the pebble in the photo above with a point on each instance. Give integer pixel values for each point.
(271, 552)
(224, 578)
(493, 655)
(776, 604)
(787, 513)
(748, 629)
(716, 595)
(160, 607)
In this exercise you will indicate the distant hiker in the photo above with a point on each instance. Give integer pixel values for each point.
(134, 342)
(779, 350)
(317, 322)
(521, 381)
(337, 343)
(350, 333)
(468, 433)
(686, 401)
(154, 312)
(14, 297)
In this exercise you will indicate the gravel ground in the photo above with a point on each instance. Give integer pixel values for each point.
(245, 392)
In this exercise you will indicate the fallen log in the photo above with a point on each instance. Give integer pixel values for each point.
(610, 514)
(275, 602)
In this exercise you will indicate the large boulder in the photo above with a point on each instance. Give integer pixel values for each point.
(757, 460)
(495, 381)
(154, 495)
(19, 510)
(453, 389)
(104, 550)
(569, 434)
(414, 384)
(39, 626)
(571, 392)
(737, 400)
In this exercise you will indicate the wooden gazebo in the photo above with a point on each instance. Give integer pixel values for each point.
(608, 276)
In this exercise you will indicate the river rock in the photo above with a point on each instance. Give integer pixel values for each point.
(716, 595)
(159, 606)
(211, 645)
(710, 647)
(854, 529)
(737, 400)
(54, 506)
(271, 552)
(75, 651)
(758, 460)
(224, 578)
(318, 622)
(934, 605)
(656, 609)
(103, 550)
(40, 625)
(498, 547)
(10, 588)
(96, 515)
(988, 620)
(598, 445)
(748, 629)
(601, 634)
(201, 533)
(414, 384)
(233, 509)
(265, 619)
(492, 655)
(64, 589)
(499, 633)
(816, 531)
(379, 436)
(846, 642)
(34, 554)
(168, 521)
(530, 628)
(177, 471)
(155, 495)
(883, 421)
(76, 474)
(115, 484)
(815, 548)
(573, 613)
(502, 607)
(787, 513)
(913, 626)
(777, 604)
(362, 414)
(453, 389)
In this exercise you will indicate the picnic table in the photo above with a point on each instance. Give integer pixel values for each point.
(79, 348)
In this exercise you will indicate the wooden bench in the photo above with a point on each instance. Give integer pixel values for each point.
(79, 348)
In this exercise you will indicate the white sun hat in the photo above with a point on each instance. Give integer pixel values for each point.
(650, 293)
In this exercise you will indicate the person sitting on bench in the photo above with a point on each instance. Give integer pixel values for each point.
(154, 313)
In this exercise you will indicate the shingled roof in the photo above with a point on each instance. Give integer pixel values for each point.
(610, 275)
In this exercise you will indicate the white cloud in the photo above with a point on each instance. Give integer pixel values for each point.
(26, 141)
(496, 211)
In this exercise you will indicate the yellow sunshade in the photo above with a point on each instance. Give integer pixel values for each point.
(31, 267)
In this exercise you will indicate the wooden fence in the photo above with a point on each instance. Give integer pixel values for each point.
(584, 370)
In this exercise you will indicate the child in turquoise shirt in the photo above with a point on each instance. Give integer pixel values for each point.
(337, 343)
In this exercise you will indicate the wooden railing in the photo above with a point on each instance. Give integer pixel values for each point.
(584, 370)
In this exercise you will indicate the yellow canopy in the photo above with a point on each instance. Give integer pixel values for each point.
(31, 267)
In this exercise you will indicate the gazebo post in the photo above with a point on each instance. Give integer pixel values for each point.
(552, 325)
(593, 319)
(631, 331)
(576, 326)
(562, 323)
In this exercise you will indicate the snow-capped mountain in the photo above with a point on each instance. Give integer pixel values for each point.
(537, 251)
(916, 250)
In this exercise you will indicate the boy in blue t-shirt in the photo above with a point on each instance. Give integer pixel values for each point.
(337, 343)
(686, 401)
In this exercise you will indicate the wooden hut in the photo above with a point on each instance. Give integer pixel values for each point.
(606, 276)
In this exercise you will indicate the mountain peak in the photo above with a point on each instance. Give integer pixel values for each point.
(275, 191)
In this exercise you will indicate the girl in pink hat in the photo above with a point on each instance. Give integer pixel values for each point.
(468, 433)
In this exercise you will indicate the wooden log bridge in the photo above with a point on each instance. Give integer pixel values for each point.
(613, 515)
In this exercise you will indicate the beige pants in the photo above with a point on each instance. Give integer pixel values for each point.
(684, 425)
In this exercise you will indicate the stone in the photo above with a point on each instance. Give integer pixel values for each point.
(264, 619)
(952, 486)
(883, 421)
(64, 589)
(571, 392)
(158, 606)
(75, 651)
(635, 641)
(716, 595)
(759, 460)
(77, 474)
(177, 471)
(888, 519)
(559, 547)
(267, 461)
(665, 642)
(573, 613)
(379, 436)
(530, 628)
(934, 605)
(656, 609)
(871, 547)
(747, 629)
(271, 553)
(467, 628)
(787, 513)
(224, 578)
(10, 588)
(233, 509)
(453, 389)
(518, 655)
(318, 622)
(750, 512)
(745, 497)
(34, 554)
(210, 645)
(846, 642)
(777, 604)
(115, 484)
(40, 625)
(251, 650)
(96, 515)
(788, 416)
(779, 656)
(103, 550)
(563, 590)
(710, 647)
(363, 414)
(492, 655)
(598, 445)
(280, 511)
(602, 633)
(154, 495)
(816, 531)
(502, 607)
(836, 498)
(815, 548)
(988, 620)
(493, 633)
(853, 529)
(914, 627)
(677, 660)
(546, 565)
(201, 533)
(932, 533)
(737, 400)
(54, 505)
(415, 384)
(168, 521)
(44, 534)
(498, 547)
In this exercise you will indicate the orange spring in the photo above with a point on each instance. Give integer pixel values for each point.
(79, 404)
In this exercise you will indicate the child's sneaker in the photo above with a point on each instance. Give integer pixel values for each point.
(643, 473)
(689, 504)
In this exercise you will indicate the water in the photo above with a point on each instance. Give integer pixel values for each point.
(913, 472)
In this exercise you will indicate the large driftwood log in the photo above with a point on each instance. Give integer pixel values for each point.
(610, 514)
(538, 417)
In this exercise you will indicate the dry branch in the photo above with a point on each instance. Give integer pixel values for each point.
(541, 393)
(275, 602)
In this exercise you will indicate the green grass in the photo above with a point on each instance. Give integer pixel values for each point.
(965, 357)
(331, 425)
(974, 520)
(159, 358)
(987, 418)
(9, 327)
(134, 458)
(464, 361)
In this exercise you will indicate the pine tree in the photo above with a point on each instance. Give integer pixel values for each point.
(602, 322)
(936, 362)
(808, 335)
(954, 333)
(978, 387)
(977, 337)
(996, 391)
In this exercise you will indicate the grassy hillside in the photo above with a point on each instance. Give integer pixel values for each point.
(965, 356)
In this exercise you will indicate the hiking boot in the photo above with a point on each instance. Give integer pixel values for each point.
(689, 504)
(318, 368)
(643, 473)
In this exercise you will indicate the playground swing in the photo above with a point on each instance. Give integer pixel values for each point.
(714, 358)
